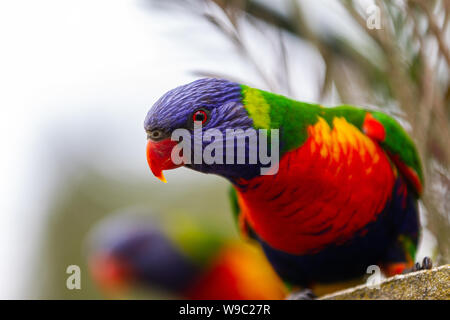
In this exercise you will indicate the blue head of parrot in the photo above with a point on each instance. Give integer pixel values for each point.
(216, 104)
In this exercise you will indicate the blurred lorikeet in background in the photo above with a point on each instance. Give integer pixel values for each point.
(344, 196)
(132, 256)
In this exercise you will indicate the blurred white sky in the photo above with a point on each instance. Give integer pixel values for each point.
(78, 77)
(81, 74)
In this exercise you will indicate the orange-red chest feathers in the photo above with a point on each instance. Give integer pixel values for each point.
(325, 191)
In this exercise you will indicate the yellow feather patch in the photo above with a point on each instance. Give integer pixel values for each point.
(343, 139)
(257, 108)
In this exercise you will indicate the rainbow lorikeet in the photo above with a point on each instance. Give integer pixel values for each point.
(130, 256)
(345, 193)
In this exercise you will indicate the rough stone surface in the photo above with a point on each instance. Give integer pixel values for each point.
(422, 285)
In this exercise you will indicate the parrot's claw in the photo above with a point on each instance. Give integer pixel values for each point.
(427, 264)
(305, 294)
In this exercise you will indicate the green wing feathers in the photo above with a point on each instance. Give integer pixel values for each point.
(239, 218)
(234, 203)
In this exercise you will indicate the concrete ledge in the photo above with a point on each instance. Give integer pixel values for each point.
(422, 285)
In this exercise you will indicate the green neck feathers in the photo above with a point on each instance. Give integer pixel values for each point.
(272, 111)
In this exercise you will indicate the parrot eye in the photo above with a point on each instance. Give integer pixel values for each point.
(155, 135)
(200, 115)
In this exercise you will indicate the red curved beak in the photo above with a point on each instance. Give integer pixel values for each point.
(159, 157)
